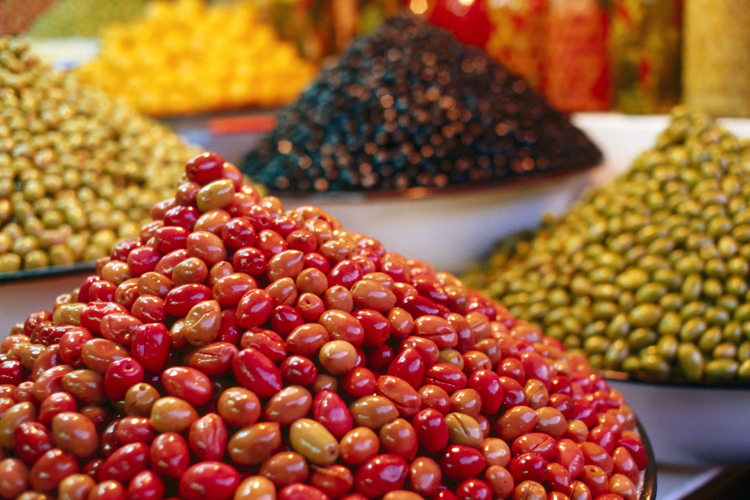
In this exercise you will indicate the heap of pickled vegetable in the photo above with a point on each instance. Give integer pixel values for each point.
(244, 351)
(411, 106)
(78, 171)
(650, 273)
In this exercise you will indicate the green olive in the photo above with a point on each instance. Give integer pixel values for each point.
(596, 344)
(655, 364)
(618, 327)
(692, 329)
(616, 354)
(670, 324)
(641, 338)
(721, 369)
(557, 332)
(693, 309)
(604, 309)
(667, 346)
(596, 328)
(626, 301)
(558, 297)
(692, 286)
(668, 278)
(736, 285)
(10, 262)
(743, 352)
(650, 292)
(710, 339)
(712, 288)
(728, 302)
(671, 302)
(35, 259)
(644, 315)
(6, 243)
(717, 316)
(716, 268)
(732, 332)
(60, 255)
(631, 364)
(691, 361)
(605, 292)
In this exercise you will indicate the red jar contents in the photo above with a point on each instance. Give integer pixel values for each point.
(577, 71)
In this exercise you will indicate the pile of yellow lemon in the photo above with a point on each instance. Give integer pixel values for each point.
(186, 57)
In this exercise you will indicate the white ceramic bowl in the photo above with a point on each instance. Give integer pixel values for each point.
(449, 230)
(692, 424)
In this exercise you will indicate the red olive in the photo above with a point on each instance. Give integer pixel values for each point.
(215, 479)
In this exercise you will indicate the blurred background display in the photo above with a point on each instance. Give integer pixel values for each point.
(632, 56)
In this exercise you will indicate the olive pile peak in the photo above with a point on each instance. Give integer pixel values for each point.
(412, 106)
(252, 352)
(78, 171)
(650, 273)
(185, 57)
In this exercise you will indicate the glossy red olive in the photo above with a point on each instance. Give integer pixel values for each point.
(150, 346)
(204, 168)
(359, 382)
(446, 376)
(180, 299)
(216, 480)
(432, 430)
(146, 485)
(528, 467)
(31, 440)
(298, 370)
(51, 468)
(208, 437)
(380, 474)
(55, 403)
(120, 376)
(169, 454)
(330, 410)
(461, 462)
(254, 308)
(487, 384)
(187, 383)
(125, 462)
(255, 371)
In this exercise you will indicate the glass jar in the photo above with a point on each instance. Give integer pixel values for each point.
(576, 65)
(518, 35)
(716, 76)
(644, 42)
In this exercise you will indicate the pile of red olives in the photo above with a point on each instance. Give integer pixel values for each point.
(241, 351)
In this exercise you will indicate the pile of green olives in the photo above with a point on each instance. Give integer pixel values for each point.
(79, 171)
(648, 274)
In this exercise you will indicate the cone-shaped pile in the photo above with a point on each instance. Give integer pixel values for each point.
(413, 106)
(648, 274)
(240, 349)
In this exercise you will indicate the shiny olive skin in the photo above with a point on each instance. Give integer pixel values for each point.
(75, 433)
(253, 444)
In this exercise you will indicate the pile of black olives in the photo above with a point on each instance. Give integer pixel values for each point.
(78, 171)
(411, 106)
(650, 273)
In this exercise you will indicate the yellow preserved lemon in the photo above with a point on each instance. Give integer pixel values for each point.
(185, 57)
